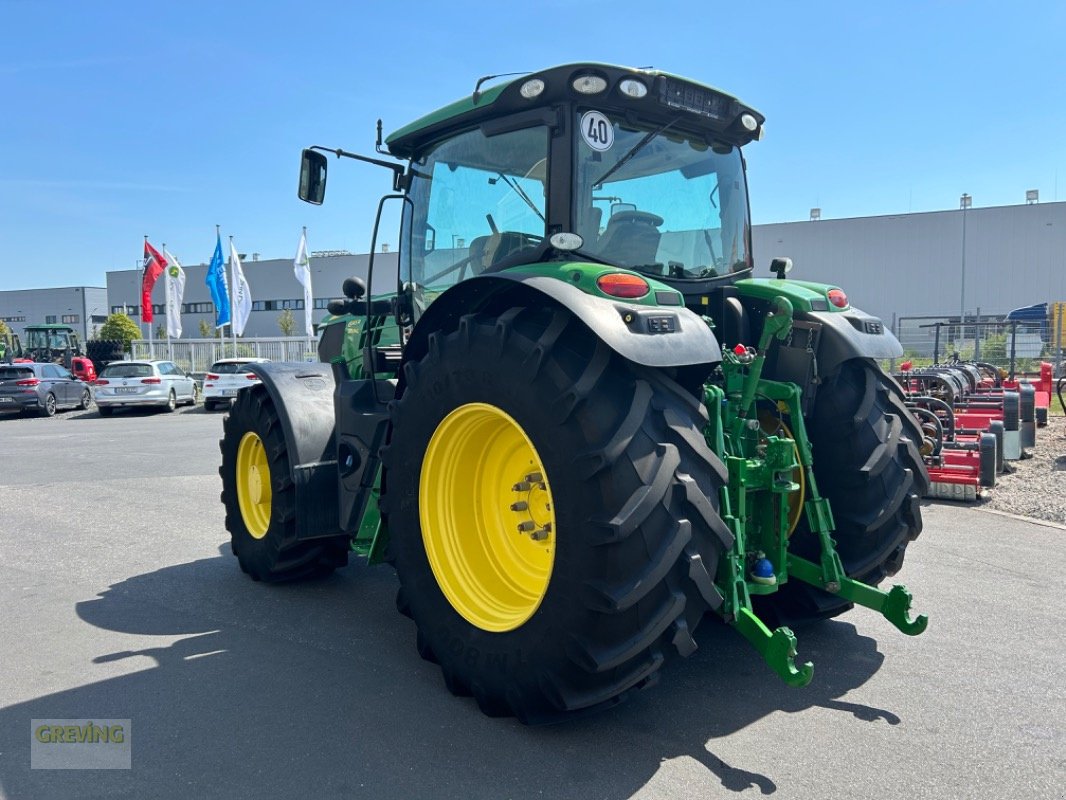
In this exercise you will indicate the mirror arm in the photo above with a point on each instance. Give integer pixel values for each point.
(397, 169)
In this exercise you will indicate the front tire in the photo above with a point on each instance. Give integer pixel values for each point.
(867, 463)
(515, 423)
(260, 498)
(86, 400)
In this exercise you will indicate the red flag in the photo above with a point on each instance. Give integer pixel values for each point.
(154, 264)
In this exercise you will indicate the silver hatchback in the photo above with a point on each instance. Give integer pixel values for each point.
(143, 383)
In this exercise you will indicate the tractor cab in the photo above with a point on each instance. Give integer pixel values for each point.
(619, 170)
(11, 348)
(51, 342)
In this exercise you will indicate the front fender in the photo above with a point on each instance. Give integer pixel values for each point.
(653, 336)
(302, 396)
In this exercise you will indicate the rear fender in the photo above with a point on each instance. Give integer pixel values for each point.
(851, 334)
(636, 332)
(302, 394)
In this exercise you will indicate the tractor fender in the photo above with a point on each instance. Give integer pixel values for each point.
(850, 334)
(302, 396)
(639, 333)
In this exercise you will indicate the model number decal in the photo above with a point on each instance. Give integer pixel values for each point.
(597, 131)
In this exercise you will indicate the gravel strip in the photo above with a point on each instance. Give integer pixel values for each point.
(1038, 488)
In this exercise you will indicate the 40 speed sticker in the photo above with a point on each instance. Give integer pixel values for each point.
(597, 131)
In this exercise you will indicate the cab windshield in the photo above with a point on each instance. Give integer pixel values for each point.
(659, 201)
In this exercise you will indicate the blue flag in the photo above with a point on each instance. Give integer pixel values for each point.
(216, 282)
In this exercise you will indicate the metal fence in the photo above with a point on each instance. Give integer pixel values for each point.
(196, 355)
(1019, 346)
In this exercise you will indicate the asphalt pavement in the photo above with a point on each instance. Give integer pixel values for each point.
(119, 599)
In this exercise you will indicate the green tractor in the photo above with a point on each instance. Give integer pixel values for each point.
(571, 418)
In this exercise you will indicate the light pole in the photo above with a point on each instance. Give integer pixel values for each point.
(964, 203)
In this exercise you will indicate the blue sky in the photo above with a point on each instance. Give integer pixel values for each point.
(163, 118)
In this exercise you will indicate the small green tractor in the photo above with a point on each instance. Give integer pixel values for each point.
(570, 416)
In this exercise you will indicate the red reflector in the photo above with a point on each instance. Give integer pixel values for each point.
(906, 366)
(252, 376)
(740, 349)
(211, 377)
(101, 382)
(28, 382)
(838, 298)
(621, 284)
(151, 380)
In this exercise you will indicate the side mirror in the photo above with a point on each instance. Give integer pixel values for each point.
(781, 267)
(312, 177)
(354, 287)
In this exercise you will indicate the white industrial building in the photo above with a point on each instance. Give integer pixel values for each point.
(81, 307)
(274, 290)
(897, 267)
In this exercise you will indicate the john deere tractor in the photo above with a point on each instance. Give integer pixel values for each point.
(572, 418)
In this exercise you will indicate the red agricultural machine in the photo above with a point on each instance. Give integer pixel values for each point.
(975, 419)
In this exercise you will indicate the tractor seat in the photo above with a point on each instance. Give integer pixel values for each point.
(631, 238)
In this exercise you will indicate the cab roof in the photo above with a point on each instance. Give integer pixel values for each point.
(704, 105)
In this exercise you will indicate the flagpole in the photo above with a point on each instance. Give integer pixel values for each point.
(221, 328)
(232, 295)
(151, 345)
(166, 295)
(140, 317)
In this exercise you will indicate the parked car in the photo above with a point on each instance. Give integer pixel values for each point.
(42, 388)
(143, 383)
(225, 378)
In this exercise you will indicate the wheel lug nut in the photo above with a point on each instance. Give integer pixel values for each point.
(534, 477)
(521, 505)
(539, 535)
(522, 486)
(525, 527)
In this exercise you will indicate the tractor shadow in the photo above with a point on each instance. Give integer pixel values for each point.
(315, 690)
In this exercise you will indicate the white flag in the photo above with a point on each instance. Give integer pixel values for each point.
(242, 293)
(175, 286)
(302, 267)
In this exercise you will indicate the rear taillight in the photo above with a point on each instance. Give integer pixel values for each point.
(101, 382)
(151, 380)
(210, 377)
(622, 284)
(838, 298)
(252, 376)
(28, 382)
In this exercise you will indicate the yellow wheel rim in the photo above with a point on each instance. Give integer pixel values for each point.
(253, 485)
(773, 426)
(488, 520)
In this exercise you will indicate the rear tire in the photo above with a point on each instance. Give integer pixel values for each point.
(49, 409)
(634, 489)
(172, 402)
(867, 463)
(261, 516)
